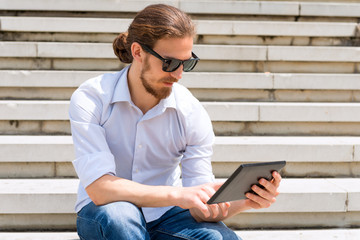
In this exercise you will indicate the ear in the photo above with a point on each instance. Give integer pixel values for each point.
(137, 52)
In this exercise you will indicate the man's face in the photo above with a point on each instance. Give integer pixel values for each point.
(157, 82)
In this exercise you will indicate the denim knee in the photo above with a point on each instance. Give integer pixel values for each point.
(217, 231)
(118, 220)
(178, 223)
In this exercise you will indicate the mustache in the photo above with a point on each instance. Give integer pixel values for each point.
(169, 80)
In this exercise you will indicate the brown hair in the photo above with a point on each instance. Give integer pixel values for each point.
(151, 24)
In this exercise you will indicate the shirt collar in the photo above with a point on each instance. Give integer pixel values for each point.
(122, 93)
(169, 102)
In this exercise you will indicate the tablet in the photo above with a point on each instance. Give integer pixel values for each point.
(241, 181)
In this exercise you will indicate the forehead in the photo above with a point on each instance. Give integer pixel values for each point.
(179, 48)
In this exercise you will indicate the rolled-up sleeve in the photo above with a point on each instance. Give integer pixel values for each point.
(93, 156)
(196, 162)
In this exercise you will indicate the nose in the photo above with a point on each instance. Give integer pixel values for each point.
(177, 73)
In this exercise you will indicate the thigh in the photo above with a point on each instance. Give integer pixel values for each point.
(118, 220)
(178, 223)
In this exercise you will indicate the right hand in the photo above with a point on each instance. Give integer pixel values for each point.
(195, 199)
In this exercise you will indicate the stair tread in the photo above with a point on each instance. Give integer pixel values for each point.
(323, 195)
(306, 149)
(213, 7)
(218, 111)
(205, 80)
(207, 52)
(212, 27)
(303, 234)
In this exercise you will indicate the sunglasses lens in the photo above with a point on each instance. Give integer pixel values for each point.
(171, 65)
(190, 64)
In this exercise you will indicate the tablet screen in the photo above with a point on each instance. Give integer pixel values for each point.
(240, 182)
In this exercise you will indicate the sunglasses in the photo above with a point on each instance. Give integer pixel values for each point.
(170, 65)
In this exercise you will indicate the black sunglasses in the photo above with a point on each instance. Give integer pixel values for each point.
(170, 65)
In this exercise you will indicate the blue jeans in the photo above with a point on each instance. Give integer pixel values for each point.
(123, 220)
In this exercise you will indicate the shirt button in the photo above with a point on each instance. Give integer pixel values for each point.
(140, 146)
(137, 170)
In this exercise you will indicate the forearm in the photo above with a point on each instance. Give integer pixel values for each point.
(110, 189)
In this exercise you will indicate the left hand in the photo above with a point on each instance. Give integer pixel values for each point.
(265, 197)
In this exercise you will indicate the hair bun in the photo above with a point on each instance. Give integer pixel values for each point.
(121, 49)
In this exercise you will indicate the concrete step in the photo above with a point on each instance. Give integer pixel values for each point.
(242, 39)
(28, 156)
(39, 236)
(226, 149)
(218, 111)
(336, 197)
(206, 52)
(320, 234)
(196, 7)
(204, 27)
(222, 128)
(220, 65)
(206, 86)
(198, 80)
(301, 234)
(215, 58)
(322, 123)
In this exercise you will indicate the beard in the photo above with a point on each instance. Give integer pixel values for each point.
(159, 93)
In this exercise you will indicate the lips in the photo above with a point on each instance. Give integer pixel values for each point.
(169, 81)
(168, 84)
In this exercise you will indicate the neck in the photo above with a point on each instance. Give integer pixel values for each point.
(140, 97)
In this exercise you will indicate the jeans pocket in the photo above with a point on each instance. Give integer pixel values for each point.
(88, 229)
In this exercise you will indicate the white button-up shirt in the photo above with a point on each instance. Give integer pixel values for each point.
(112, 136)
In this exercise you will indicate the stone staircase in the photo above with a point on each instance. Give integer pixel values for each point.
(279, 79)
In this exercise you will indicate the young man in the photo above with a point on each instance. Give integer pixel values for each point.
(132, 129)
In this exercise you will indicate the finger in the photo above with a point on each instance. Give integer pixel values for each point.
(214, 209)
(209, 190)
(200, 203)
(224, 207)
(277, 179)
(263, 203)
(270, 187)
(264, 193)
(203, 208)
(252, 204)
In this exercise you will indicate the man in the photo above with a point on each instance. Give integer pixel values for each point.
(132, 129)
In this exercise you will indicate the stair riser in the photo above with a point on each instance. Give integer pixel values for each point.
(34, 222)
(62, 93)
(25, 127)
(286, 129)
(221, 170)
(201, 39)
(203, 66)
(298, 220)
(37, 170)
(243, 221)
(299, 170)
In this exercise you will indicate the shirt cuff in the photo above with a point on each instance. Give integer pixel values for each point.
(93, 166)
